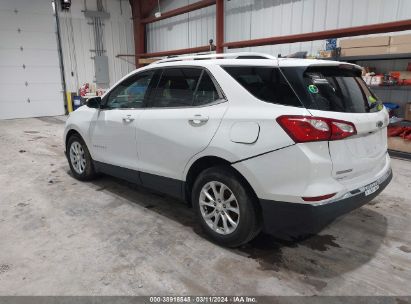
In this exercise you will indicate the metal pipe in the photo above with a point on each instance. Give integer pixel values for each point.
(60, 52)
(395, 26)
(179, 11)
(199, 49)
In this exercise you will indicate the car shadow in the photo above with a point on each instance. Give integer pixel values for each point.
(346, 244)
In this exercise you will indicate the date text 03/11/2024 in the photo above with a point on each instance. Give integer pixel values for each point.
(203, 299)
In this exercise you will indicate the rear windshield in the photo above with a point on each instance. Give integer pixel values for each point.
(265, 83)
(334, 89)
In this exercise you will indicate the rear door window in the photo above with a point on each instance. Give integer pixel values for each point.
(265, 83)
(176, 88)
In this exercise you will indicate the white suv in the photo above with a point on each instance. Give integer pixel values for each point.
(251, 141)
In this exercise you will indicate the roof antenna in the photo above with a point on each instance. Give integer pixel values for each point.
(212, 46)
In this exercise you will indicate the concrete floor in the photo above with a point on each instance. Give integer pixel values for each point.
(59, 236)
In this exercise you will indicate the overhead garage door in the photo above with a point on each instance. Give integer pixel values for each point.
(30, 79)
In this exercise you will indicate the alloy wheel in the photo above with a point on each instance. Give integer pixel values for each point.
(219, 207)
(77, 157)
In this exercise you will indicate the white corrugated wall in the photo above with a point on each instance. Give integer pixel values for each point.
(184, 31)
(78, 39)
(251, 19)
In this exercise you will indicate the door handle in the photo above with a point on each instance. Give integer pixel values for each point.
(128, 118)
(198, 119)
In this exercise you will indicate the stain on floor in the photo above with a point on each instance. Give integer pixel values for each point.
(321, 242)
(405, 249)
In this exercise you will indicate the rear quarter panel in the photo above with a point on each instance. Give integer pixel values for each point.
(243, 107)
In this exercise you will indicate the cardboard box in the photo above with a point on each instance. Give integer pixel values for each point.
(376, 50)
(401, 39)
(365, 42)
(326, 54)
(399, 144)
(400, 49)
(407, 114)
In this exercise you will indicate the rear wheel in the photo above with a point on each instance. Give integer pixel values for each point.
(80, 161)
(225, 208)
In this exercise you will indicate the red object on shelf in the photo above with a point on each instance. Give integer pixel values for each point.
(408, 137)
(84, 89)
(395, 131)
(406, 133)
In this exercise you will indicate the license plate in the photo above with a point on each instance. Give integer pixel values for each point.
(369, 190)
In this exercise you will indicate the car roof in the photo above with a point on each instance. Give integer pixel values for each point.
(232, 59)
(242, 58)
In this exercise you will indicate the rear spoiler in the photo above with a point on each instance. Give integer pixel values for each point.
(356, 70)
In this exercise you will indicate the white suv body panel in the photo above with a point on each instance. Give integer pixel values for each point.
(168, 138)
(242, 130)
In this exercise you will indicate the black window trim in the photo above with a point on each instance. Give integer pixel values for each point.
(222, 97)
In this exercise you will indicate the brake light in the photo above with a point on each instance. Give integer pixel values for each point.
(309, 128)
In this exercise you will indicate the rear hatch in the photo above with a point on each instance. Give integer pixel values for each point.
(338, 93)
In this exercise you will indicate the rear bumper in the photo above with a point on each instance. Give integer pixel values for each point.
(293, 220)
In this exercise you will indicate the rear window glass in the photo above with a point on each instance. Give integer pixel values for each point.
(333, 89)
(265, 83)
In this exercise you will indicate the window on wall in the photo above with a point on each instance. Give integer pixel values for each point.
(131, 92)
(183, 87)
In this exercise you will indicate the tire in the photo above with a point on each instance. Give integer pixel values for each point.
(76, 147)
(247, 220)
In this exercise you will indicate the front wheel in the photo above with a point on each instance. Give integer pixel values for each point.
(79, 158)
(225, 207)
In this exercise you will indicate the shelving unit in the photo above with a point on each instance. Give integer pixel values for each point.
(374, 57)
(396, 87)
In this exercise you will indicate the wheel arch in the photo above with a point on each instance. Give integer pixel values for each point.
(205, 162)
(70, 133)
(75, 131)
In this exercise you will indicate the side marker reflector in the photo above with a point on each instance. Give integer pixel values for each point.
(318, 198)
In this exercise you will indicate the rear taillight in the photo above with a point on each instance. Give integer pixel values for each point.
(309, 128)
(318, 198)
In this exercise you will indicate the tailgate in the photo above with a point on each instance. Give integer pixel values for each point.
(361, 155)
(338, 92)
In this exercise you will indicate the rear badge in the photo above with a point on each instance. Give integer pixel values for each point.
(380, 124)
(313, 89)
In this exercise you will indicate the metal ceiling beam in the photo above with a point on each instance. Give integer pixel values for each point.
(395, 26)
(179, 11)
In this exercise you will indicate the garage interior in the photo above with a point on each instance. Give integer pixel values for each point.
(109, 237)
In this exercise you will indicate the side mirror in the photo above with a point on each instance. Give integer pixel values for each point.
(94, 102)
